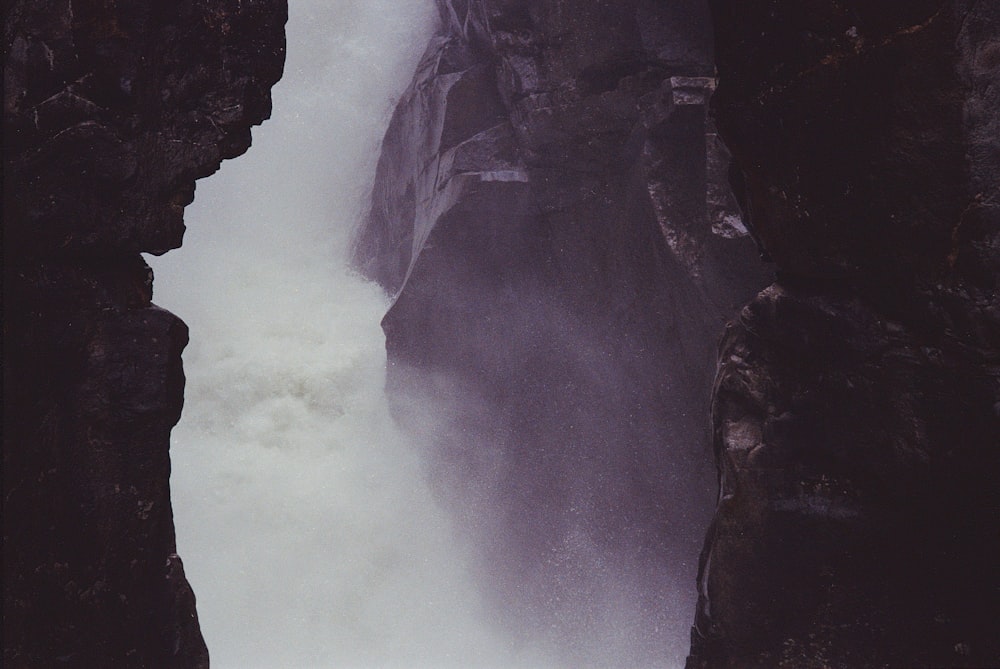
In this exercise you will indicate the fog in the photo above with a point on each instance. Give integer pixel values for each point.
(304, 515)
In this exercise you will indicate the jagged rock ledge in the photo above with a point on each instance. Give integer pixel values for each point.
(857, 406)
(550, 213)
(110, 114)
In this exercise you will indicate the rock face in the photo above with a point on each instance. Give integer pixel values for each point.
(856, 410)
(110, 114)
(550, 212)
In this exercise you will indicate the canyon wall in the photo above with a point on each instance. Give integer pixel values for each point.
(110, 114)
(856, 411)
(552, 216)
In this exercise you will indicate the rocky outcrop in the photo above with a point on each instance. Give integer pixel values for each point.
(857, 406)
(110, 114)
(551, 216)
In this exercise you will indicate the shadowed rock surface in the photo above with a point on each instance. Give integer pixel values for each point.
(857, 406)
(110, 114)
(550, 212)
(551, 216)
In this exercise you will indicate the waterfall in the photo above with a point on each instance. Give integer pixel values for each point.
(306, 525)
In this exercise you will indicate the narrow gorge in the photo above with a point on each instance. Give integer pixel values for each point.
(691, 329)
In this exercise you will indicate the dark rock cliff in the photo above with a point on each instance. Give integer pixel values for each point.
(111, 111)
(857, 405)
(550, 212)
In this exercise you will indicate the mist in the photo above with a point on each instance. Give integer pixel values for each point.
(309, 526)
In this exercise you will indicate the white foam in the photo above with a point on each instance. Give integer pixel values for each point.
(304, 519)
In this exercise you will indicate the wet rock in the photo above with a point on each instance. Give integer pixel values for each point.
(548, 217)
(110, 114)
(853, 409)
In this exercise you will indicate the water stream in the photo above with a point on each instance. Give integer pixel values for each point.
(303, 516)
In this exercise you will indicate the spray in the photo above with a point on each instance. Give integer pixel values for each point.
(302, 513)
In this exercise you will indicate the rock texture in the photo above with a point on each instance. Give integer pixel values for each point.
(111, 111)
(550, 212)
(857, 406)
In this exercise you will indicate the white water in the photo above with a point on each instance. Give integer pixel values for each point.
(307, 528)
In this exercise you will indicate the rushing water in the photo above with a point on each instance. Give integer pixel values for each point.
(303, 516)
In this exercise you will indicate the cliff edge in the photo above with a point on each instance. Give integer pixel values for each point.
(856, 410)
(551, 215)
(110, 114)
